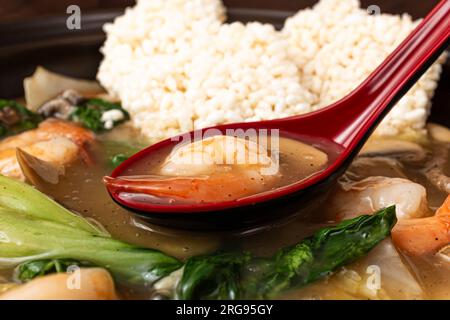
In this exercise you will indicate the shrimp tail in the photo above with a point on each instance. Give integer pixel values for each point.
(426, 235)
(198, 189)
(180, 188)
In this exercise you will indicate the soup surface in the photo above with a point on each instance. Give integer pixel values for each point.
(401, 275)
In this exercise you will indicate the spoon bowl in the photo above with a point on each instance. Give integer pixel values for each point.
(244, 212)
(339, 130)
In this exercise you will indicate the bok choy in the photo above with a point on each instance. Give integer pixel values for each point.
(34, 227)
(227, 276)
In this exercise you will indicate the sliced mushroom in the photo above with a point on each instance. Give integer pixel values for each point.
(62, 106)
(438, 178)
(9, 116)
(73, 97)
(404, 151)
(57, 108)
(364, 167)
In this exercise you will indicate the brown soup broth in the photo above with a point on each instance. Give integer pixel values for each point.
(83, 191)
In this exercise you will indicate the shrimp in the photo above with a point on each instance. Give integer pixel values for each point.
(215, 188)
(89, 284)
(56, 142)
(417, 231)
(423, 236)
(375, 193)
(215, 169)
(217, 153)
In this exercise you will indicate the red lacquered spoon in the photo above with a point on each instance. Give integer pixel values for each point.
(340, 129)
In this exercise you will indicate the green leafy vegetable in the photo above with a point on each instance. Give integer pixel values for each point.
(33, 227)
(117, 152)
(30, 270)
(89, 114)
(324, 252)
(117, 159)
(15, 118)
(237, 276)
(212, 277)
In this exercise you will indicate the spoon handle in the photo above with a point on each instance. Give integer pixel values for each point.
(358, 114)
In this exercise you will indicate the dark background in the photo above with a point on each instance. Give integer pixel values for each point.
(21, 9)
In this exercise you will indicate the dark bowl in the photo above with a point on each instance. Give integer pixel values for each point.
(25, 45)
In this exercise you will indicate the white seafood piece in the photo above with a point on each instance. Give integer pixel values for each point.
(375, 193)
(384, 264)
(84, 284)
(216, 153)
